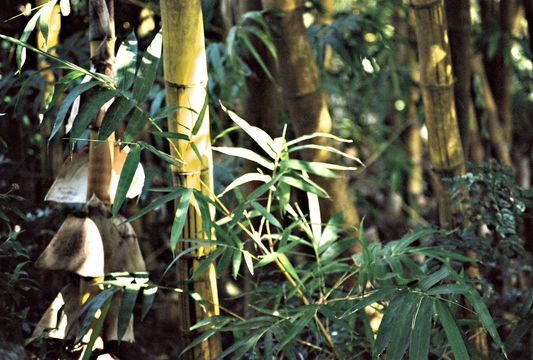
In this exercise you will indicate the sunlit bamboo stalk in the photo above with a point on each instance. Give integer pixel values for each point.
(185, 70)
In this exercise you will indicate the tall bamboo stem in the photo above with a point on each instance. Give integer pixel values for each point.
(185, 69)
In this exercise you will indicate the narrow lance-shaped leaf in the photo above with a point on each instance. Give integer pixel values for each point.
(44, 19)
(88, 112)
(30, 26)
(245, 154)
(156, 203)
(93, 305)
(179, 218)
(421, 332)
(126, 177)
(97, 329)
(127, 304)
(298, 326)
(201, 116)
(148, 299)
(135, 125)
(455, 338)
(67, 103)
(147, 70)
(114, 116)
(126, 61)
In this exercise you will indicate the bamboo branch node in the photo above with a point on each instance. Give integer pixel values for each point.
(426, 5)
(180, 87)
(302, 95)
(193, 172)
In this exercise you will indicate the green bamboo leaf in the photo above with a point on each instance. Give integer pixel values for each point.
(245, 154)
(136, 125)
(116, 113)
(92, 307)
(180, 255)
(148, 299)
(67, 103)
(298, 326)
(400, 245)
(236, 262)
(88, 112)
(462, 289)
(241, 347)
(519, 330)
(30, 26)
(324, 148)
(125, 62)
(305, 184)
(180, 218)
(246, 178)
(258, 135)
(60, 87)
(267, 215)
(204, 264)
(387, 327)
(402, 323)
(170, 135)
(310, 167)
(44, 19)
(266, 39)
(97, 329)
(453, 333)
(441, 254)
(312, 136)
(126, 177)
(160, 154)
(224, 262)
(484, 315)
(251, 48)
(286, 263)
(201, 117)
(437, 276)
(147, 70)
(204, 335)
(156, 203)
(205, 212)
(421, 332)
(125, 313)
(374, 297)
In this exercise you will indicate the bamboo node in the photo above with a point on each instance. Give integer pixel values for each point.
(438, 87)
(427, 5)
(301, 95)
(449, 171)
(176, 86)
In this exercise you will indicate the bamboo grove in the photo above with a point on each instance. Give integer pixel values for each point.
(280, 179)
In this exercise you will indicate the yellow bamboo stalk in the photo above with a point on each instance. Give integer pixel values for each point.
(185, 69)
(436, 81)
(52, 154)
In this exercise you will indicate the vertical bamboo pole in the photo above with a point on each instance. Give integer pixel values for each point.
(185, 69)
(436, 81)
(303, 97)
(52, 154)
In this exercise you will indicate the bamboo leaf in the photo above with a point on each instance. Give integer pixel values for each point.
(329, 149)
(286, 263)
(147, 70)
(304, 184)
(421, 332)
(298, 326)
(267, 215)
(88, 112)
(97, 329)
(44, 19)
(455, 338)
(135, 125)
(245, 154)
(114, 116)
(201, 117)
(258, 135)
(428, 281)
(30, 26)
(246, 178)
(248, 261)
(402, 323)
(387, 327)
(160, 154)
(67, 103)
(311, 167)
(484, 315)
(125, 62)
(92, 307)
(374, 297)
(204, 264)
(205, 212)
(170, 135)
(126, 177)
(180, 255)
(179, 218)
(236, 262)
(156, 203)
(148, 299)
(256, 56)
(127, 304)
